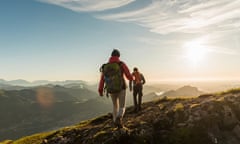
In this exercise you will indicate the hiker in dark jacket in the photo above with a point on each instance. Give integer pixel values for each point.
(138, 81)
(118, 99)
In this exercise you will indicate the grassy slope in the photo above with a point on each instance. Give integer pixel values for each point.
(99, 130)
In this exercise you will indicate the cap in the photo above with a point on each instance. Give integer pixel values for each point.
(115, 52)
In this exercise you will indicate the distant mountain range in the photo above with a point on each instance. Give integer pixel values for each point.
(10, 87)
(21, 82)
(42, 108)
(186, 91)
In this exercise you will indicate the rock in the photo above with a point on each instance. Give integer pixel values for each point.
(229, 118)
(236, 131)
(230, 98)
(45, 141)
(161, 106)
(181, 124)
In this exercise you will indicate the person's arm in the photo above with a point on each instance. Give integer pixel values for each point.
(143, 79)
(101, 85)
(130, 85)
(127, 72)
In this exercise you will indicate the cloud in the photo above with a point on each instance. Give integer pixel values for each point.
(188, 16)
(159, 16)
(222, 50)
(89, 5)
(210, 44)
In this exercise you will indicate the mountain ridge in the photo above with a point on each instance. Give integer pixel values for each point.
(22, 82)
(209, 119)
(186, 90)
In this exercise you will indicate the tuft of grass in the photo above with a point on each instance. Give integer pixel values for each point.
(181, 97)
(231, 91)
(39, 138)
(34, 139)
(178, 107)
(205, 95)
(194, 105)
(82, 124)
(100, 133)
(6, 142)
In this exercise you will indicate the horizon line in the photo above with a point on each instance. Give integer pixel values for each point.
(149, 81)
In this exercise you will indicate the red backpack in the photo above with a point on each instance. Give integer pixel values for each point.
(137, 78)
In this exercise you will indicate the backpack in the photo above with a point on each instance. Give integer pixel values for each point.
(113, 77)
(137, 78)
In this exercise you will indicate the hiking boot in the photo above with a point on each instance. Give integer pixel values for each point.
(113, 124)
(119, 122)
(135, 110)
(139, 108)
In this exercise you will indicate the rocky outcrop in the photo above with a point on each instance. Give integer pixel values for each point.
(207, 119)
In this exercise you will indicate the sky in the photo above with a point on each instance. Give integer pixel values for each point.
(166, 40)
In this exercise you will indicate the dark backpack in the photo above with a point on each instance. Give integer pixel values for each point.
(113, 77)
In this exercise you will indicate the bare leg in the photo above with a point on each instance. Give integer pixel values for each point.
(115, 106)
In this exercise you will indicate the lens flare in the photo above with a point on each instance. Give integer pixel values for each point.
(45, 97)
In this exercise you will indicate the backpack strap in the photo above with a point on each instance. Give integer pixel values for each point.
(122, 71)
(120, 64)
(101, 68)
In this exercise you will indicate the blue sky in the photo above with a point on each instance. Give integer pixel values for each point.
(167, 40)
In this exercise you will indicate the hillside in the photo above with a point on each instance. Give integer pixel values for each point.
(43, 108)
(207, 119)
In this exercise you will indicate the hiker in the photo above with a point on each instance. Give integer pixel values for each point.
(138, 81)
(112, 82)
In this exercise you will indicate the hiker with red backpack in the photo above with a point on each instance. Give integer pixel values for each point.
(138, 82)
(112, 82)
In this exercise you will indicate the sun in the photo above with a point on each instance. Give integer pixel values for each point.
(195, 52)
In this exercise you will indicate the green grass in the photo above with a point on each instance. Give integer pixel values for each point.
(100, 133)
(178, 107)
(182, 97)
(231, 91)
(34, 139)
(6, 142)
(38, 138)
(194, 105)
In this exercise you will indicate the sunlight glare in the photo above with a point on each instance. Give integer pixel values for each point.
(195, 51)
